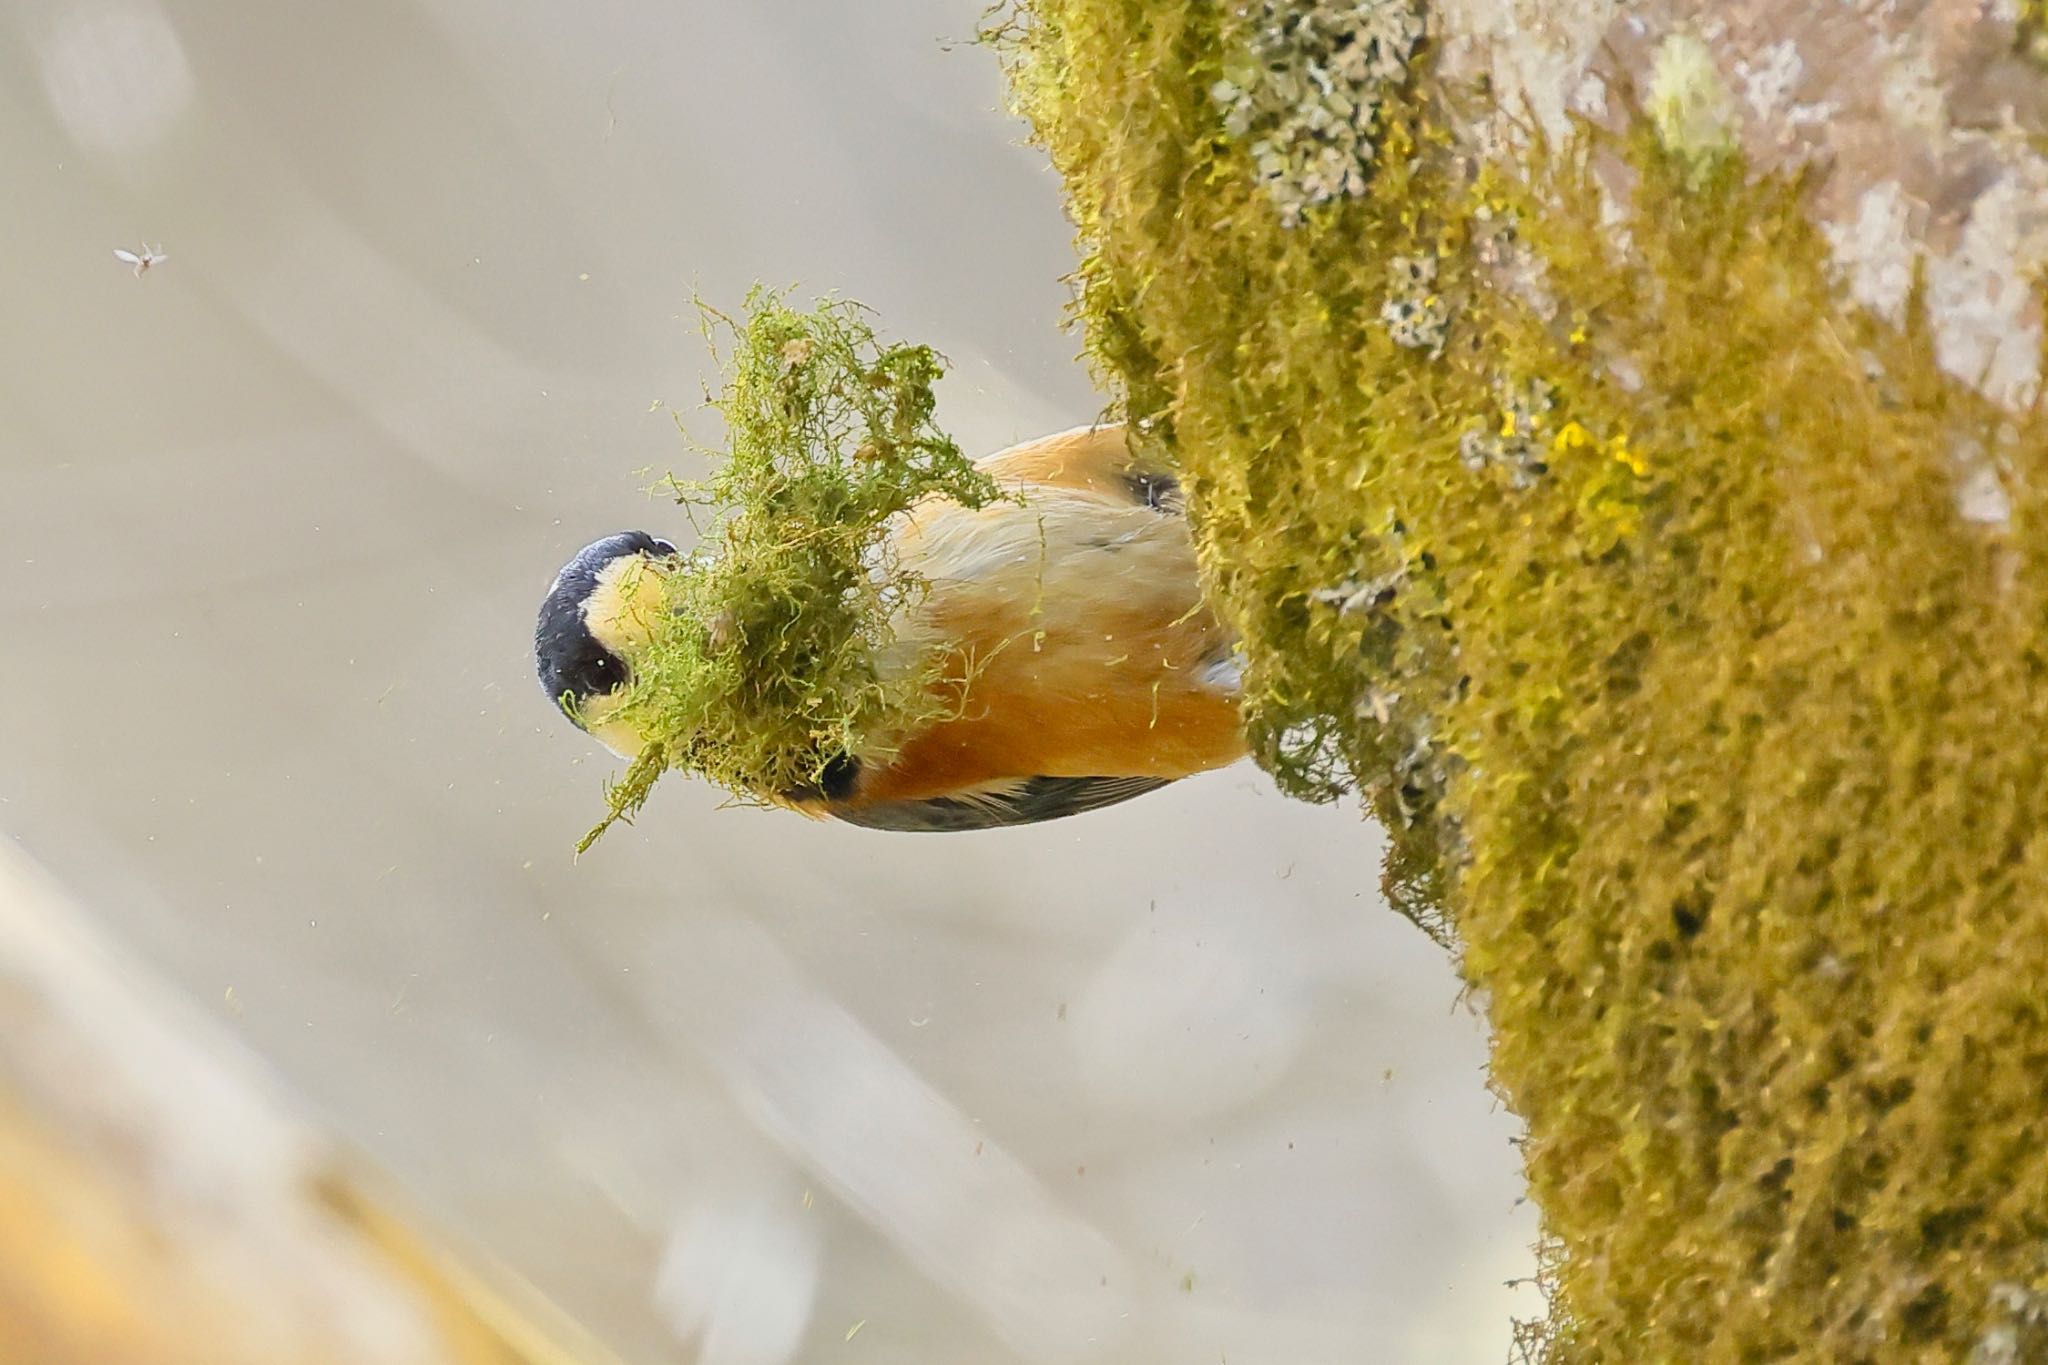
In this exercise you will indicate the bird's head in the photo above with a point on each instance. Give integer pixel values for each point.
(598, 615)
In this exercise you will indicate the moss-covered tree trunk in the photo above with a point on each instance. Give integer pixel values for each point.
(1613, 429)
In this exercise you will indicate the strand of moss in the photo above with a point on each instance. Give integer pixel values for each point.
(1637, 600)
(769, 641)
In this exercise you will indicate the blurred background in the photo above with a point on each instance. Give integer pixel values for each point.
(1166, 1083)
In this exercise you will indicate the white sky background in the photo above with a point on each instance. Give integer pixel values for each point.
(1161, 1084)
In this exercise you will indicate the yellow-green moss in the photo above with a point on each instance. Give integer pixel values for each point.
(764, 662)
(2032, 30)
(1643, 614)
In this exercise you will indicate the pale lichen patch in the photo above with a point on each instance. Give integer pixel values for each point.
(1533, 57)
(1770, 83)
(1982, 298)
(1981, 497)
(1875, 252)
(1305, 89)
(1912, 91)
(1415, 314)
(2018, 1332)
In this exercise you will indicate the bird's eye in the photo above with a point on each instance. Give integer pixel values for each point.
(596, 673)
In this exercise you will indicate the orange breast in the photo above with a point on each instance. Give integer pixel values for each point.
(1078, 623)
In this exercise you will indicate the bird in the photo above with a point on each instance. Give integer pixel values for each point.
(1099, 671)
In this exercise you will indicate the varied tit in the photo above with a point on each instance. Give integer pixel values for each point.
(1100, 673)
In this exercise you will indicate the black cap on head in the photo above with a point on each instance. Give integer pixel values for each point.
(567, 656)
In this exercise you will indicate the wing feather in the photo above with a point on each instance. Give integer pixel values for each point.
(1023, 801)
(1096, 459)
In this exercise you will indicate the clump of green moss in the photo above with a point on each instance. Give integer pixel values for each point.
(772, 651)
(1642, 611)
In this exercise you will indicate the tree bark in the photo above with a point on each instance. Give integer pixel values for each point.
(1613, 430)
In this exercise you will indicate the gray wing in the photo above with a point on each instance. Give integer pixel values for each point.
(1025, 801)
